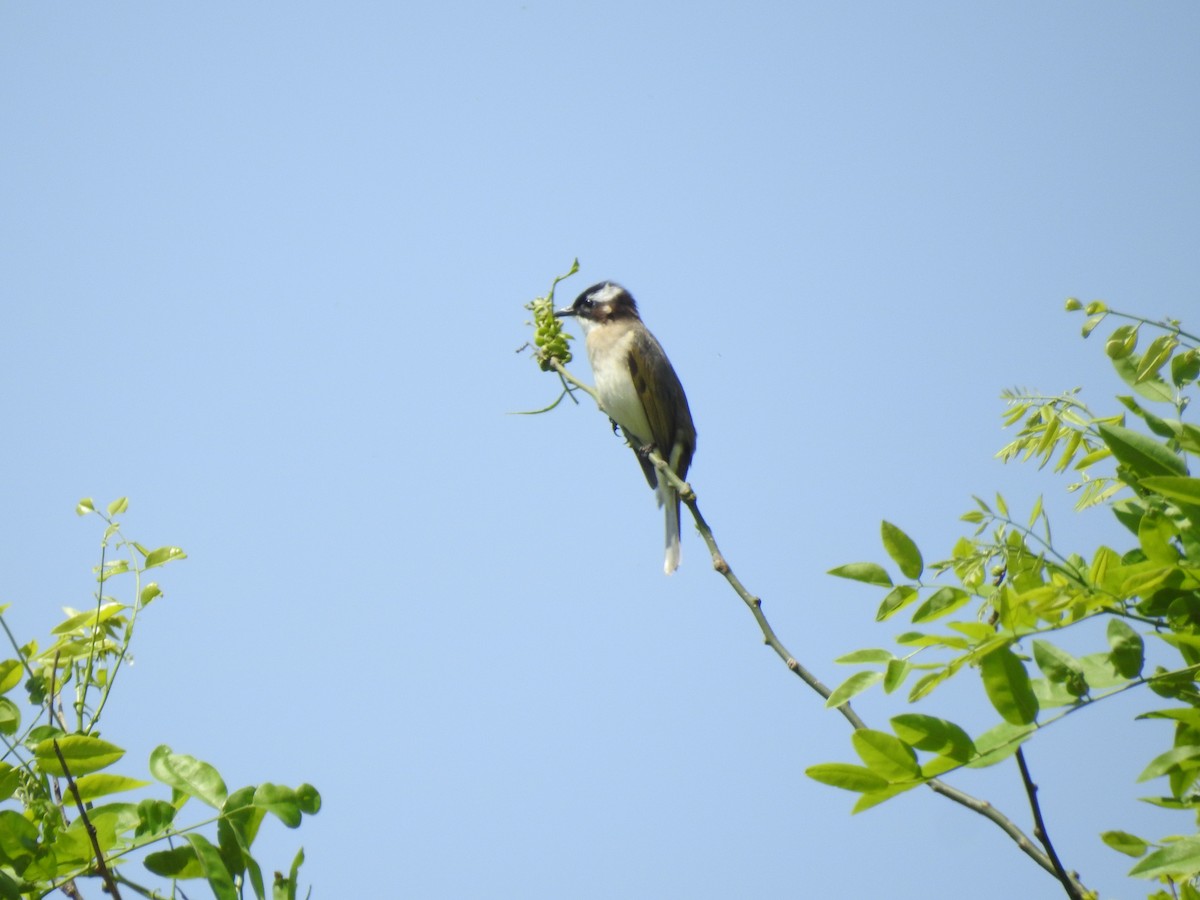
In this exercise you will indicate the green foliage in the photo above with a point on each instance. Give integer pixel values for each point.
(1019, 590)
(551, 345)
(550, 341)
(56, 765)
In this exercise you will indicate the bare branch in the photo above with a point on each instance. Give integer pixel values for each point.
(1069, 882)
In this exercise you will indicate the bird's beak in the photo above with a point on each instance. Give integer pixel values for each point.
(564, 312)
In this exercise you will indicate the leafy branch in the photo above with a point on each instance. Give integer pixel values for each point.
(1024, 590)
(41, 849)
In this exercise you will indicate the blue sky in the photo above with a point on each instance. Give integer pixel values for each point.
(263, 269)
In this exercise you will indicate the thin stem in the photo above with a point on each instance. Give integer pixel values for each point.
(135, 607)
(754, 604)
(1165, 326)
(1069, 883)
(86, 681)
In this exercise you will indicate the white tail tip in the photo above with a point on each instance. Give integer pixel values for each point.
(671, 563)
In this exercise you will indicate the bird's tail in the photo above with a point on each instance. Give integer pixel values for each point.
(668, 498)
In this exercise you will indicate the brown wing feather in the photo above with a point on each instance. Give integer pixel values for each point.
(672, 431)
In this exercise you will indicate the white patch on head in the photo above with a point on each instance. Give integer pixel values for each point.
(606, 292)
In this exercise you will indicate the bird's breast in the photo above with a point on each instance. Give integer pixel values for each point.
(608, 352)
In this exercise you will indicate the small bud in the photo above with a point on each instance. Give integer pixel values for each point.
(1073, 304)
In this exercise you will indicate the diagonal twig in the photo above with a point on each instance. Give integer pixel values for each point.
(109, 882)
(1070, 884)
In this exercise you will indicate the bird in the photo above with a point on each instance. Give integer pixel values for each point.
(639, 391)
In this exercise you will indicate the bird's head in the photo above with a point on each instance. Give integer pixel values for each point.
(601, 303)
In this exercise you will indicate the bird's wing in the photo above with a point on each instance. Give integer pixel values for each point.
(663, 400)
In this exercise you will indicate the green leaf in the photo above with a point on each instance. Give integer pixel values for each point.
(919, 639)
(89, 619)
(1178, 860)
(999, 743)
(1064, 463)
(897, 670)
(1155, 534)
(1152, 388)
(281, 801)
(118, 506)
(1185, 368)
(109, 822)
(845, 776)
(897, 599)
(150, 592)
(10, 780)
(926, 684)
(1174, 487)
(939, 765)
(11, 671)
(1090, 325)
(309, 798)
(1143, 455)
(935, 735)
(1124, 842)
(1060, 667)
(237, 829)
(1121, 342)
(286, 889)
(874, 798)
(82, 752)
(1185, 757)
(902, 550)
(855, 684)
(943, 602)
(100, 785)
(866, 656)
(1037, 504)
(189, 775)
(154, 817)
(1156, 356)
(85, 506)
(179, 862)
(886, 755)
(213, 867)
(1128, 649)
(870, 573)
(1007, 685)
(1190, 716)
(18, 836)
(162, 556)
